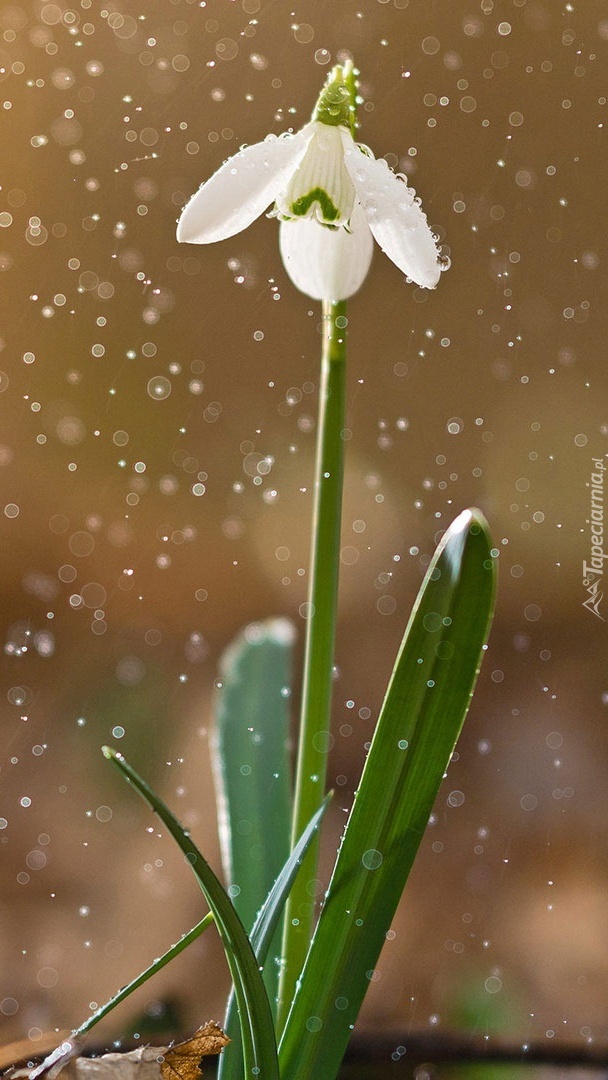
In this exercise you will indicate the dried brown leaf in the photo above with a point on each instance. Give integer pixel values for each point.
(179, 1062)
(183, 1061)
(141, 1064)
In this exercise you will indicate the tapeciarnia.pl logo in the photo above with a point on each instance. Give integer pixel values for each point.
(593, 571)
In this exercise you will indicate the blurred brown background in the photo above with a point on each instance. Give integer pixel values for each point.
(157, 425)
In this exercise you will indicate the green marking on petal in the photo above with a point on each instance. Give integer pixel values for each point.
(300, 207)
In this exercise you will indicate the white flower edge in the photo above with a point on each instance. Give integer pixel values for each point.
(395, 218)
(241, 189)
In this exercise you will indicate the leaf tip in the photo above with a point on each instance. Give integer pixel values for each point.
(110, 754)
(467, 518)
(470, 521)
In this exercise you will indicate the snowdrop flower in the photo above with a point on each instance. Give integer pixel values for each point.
(331, 196)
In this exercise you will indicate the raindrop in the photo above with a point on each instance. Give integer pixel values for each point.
(554, 740)
(455, 425)
(93, 595)
(63, 78)
(323, 741)
(81, 544)
(371, 859)
(17, 695)
(455, 798)
(528, 802)
(386, 605)
(159, 388)
(303, 33)
(226, 48)
(35, 860)
(430, 45)
(532, 612)
(48, 977)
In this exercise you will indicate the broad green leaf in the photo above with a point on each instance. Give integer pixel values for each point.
(252, 767)
(421, 717)
(257, 1028)
(250, 755)
(230, 1063)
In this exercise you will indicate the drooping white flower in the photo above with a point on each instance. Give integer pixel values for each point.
(331, 196)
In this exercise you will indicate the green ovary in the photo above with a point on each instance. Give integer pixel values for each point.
(300, 207)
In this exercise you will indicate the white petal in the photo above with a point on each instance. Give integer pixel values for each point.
(326, 263)
(395, 218)
(320, 187)
(241, 189)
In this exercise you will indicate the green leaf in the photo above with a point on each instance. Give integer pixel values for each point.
(230, 1064)
(257, 1028)
(251, 764)
(423, 711)
(261, 936)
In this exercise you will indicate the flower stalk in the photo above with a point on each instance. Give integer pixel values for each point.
(314, 734)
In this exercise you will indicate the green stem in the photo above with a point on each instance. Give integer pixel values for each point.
(314, 736)
(155, 966)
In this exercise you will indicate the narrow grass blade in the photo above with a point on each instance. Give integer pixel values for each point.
(251, 765)
(423, 711)
(155, 966)
(230, 1062)
(261, 937)
(257, 1027)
